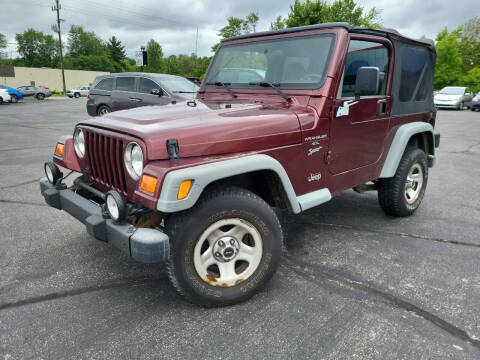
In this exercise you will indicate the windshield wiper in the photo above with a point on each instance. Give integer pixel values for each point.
(273, 86)
(225, 85)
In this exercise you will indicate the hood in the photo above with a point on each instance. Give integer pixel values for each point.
(207, 128)
(447, 97)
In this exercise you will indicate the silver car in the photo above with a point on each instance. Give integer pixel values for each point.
(78, 91)
(454, 97)
(37, 91)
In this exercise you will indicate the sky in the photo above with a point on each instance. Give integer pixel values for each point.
(174, 23)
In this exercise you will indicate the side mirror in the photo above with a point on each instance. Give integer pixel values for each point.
(158, 92)
(368, 79)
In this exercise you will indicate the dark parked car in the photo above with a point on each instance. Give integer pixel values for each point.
(15, 94)
(37, 91)
(129, 90)
(476, 102)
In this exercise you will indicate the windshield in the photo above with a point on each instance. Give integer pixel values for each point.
(179, 84)
(452, 91)
(299, 62)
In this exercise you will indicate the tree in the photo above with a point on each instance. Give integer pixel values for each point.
(470, 44)
(472, 79)
(81, 42)
(449, 60)
(237, 26)
(3, 44)
(278, 24)
(320, 11)
(36, 48)
(115, 50)
(154, 57)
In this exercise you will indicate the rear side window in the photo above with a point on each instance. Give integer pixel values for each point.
(147, 85)
(105, 84)
(360, 54)
(125, 83)
(413, 62)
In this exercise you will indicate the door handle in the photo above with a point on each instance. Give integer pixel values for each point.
(382, 107)
(135, 99)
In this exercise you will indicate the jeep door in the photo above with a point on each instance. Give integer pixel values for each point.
(145, 88)
(125, 96)
(357, 135)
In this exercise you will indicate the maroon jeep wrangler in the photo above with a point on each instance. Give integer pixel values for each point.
(285, 120)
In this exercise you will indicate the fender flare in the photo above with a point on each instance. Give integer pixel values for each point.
(399, 143)
(202, 175)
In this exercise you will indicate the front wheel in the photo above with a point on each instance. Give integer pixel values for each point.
(224, 249)
(402, 194)
(77, 95)
(40, 96)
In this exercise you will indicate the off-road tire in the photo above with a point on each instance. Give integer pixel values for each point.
(13, 98)
(103, 110)
(185, 229)
(77, 95)
(40, 96)
(391, 191)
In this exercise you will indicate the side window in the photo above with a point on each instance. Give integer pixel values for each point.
(364, 53)
(105, 84)
(147, 85)
(413, 64)
(125, 83)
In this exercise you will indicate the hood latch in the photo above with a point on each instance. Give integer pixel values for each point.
(172, 149)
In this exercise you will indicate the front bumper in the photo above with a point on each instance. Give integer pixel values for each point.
(143, 244)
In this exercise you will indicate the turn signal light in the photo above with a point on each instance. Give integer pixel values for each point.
(59, 149)
(148, 183)
(184, 189)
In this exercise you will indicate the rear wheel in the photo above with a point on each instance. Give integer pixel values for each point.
(1, 100)
(77, 95)
(40, 96)
(14, 98)
(224, 249)
(402, 194)
(103, 110)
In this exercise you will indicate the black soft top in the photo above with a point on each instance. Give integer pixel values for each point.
(392, 33)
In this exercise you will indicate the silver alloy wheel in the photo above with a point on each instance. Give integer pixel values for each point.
(228, 252)
(103, 111)
(14, 99)
(414, 183)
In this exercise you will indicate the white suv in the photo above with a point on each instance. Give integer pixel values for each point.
(4, 96)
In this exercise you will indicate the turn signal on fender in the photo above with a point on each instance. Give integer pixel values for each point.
(149, 183)
(59, 149)
(184, 189)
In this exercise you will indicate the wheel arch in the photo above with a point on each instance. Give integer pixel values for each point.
(259, 173)
(417, 134)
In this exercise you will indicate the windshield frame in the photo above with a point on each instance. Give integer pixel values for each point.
(283, 86)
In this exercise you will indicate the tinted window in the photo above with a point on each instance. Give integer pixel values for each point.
(147, 85)
(364, 53)
(423, 91)
(105, 84)
(125, 83)
(295, 62)
(413, 63)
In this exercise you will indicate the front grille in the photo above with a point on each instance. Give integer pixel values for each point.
(105, 160)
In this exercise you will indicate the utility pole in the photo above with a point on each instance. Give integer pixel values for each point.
(56, 28)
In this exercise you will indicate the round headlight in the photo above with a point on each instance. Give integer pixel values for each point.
(79, 142)
(134, 160)
(115, 206)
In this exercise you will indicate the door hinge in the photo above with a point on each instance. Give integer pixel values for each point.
(328, 157)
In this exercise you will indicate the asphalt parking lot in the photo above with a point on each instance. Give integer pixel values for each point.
(354, 284)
